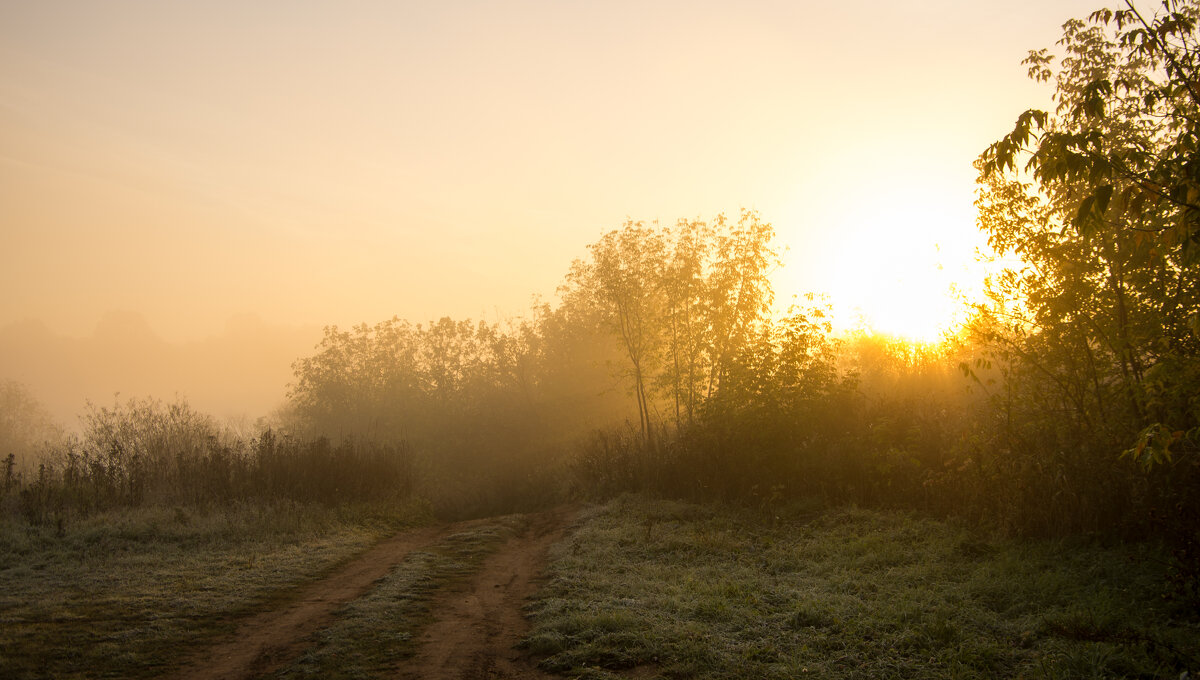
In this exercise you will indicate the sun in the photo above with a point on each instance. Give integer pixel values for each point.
(903, 265)
(919, 304)
(897, 251)
(912, 288)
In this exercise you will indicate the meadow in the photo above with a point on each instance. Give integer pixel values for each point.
(667, 589)
(637, 587)
(126, 593)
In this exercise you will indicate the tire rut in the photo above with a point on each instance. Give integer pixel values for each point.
(265, 641)
(476, 629)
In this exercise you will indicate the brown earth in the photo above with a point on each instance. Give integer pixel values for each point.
(472, 637)
(475, 632)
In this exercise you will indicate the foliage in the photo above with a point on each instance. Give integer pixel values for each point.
(1093, 337)
(1107, 305)
(483, 406)
(623, 283)
(684, 301)
(26, 430)
(1120, 149)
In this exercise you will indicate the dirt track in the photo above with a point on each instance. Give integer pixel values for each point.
(471, 638)
(476, 630)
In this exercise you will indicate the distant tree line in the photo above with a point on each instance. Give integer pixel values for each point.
(141, 452)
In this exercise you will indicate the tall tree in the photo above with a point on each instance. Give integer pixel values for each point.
(685, 287)
(1100, 200)
(740, 293)
(622, 280)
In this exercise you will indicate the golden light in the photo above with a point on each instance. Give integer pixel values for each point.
(899, 262)
(919, 303)
(905, 284)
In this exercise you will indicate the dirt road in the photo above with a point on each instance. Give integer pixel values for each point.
(476, 630)
(472, 637)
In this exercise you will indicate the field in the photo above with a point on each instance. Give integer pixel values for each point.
(632, 588)
(674, 590)
(120, 594)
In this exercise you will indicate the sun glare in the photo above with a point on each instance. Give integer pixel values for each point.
(916, 290)
(903, 265)
(916, 306)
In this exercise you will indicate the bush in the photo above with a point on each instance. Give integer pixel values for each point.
(145, 452)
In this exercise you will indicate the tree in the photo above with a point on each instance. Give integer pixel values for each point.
(685, 287)
(1094, 333)
(1103, 213)
(622, 280)
(684, 302)
(740, 294)
(1121, 147)
(25, 426)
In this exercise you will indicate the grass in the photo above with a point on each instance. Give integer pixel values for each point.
(122, 594)
(373, 633)
(683, 591)
(662, 589)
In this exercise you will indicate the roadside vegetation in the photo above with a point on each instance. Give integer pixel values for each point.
(655, 588)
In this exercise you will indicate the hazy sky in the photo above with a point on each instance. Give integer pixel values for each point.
(322, 162)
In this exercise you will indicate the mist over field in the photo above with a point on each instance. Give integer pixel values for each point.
(600, 340)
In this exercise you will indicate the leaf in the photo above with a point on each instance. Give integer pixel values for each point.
(1102, 196)
(1084, 214)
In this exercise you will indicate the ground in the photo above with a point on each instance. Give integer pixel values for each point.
(633, 587)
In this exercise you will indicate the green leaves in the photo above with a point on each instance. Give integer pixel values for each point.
(1153, 446)
(1092, 209)
(1126, 126)
(1093, 99)
(1001, 156)
(1096, 318)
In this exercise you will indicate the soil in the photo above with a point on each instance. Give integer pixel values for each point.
(476, 630)
(472, 636)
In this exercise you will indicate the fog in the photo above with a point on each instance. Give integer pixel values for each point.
(239, 374)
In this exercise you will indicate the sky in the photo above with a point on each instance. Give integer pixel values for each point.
(307, 163)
